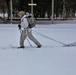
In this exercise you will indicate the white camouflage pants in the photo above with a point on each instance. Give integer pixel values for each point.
(25, 34)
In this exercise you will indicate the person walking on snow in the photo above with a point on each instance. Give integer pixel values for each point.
(26, 31)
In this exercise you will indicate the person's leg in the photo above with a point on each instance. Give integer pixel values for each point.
(31, 37)
(22, 38)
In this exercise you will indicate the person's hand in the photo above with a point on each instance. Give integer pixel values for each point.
(19, 26)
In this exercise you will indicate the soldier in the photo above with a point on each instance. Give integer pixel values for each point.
(26, 31)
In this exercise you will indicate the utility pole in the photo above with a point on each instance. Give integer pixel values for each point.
(11, 10)
(64, 10)
(32, 7)
(32, 4)
(52, 11)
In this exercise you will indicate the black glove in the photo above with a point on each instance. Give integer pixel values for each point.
(19, 26)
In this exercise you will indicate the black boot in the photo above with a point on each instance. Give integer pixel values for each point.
(21, 47)
(39, 46)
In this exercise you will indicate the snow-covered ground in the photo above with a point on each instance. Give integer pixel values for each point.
(51, 59)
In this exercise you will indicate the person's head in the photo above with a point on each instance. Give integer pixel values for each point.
(21, 14)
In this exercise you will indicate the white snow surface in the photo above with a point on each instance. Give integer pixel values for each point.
(51, 59)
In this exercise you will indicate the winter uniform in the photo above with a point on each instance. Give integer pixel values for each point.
(26, 32)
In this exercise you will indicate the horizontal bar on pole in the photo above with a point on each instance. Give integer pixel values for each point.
(32, 4)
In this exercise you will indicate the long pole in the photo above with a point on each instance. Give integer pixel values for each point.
(11, 9)
(52, 11)
(64, 10)
(48, 37)
(32, 7)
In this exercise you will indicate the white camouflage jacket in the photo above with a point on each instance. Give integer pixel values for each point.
(24, 22)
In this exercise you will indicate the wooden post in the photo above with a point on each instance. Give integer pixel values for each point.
(32, 4)
(11, 10)
(52, 11)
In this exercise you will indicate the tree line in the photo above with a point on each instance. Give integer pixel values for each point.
(62, 8)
